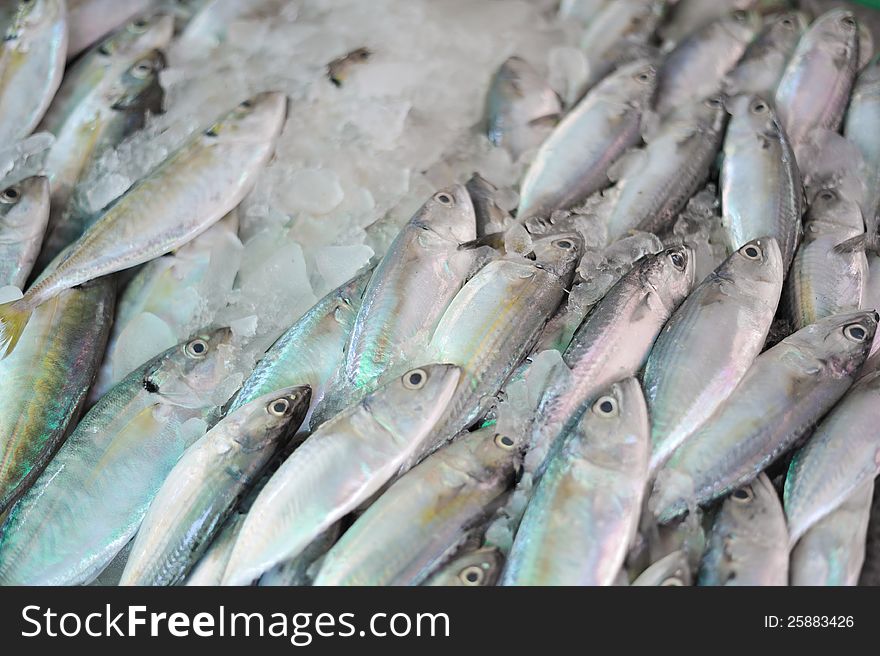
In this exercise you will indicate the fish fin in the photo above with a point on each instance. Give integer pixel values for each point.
(494, 240)
(631, 160)
(14, 317)
(550, 121)
(857, 243)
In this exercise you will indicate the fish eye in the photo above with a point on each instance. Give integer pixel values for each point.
(505, 442)
(415, 379)
(278, 407)
(565, 244)
(213, 131)
(138, 26)
(105, 49)
(197, 348)
(787, 21)
(471, 575)
(827, 195)
(678, 259)
(606, 406)
(142, 69)
(10, 196)
(713, 102)
(758, 107)
(743, 495)
(444, 199)
(855, 332)
(848, 21)
(247, 104)
(672, 581)
(643, 77)
(751, 251)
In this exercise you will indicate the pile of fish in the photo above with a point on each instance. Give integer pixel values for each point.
(648, 362)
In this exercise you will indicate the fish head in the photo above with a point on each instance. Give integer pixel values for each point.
(784, 29)
(669, 274)
(271, 417)
(23, 198)
(836, 32)
(830, 204)
(495, 451)
(835, 346)
(192, 370)
(613, 432)
(706, 115)
(743, 25)
(753, 117)
(448, 215)
(631, 84)
(417, 399)
(746, 505)
(140, 36)
(255, 120)
(755, 265)
(559, 254)
(481, 567)
(138, 86)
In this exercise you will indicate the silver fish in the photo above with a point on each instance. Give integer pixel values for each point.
(748, 544)
(424, 515)
(695, 69)
(477, 568)
(521, 109)
(572, 163)
(861, 128)
(761, 191)
(339, 467)
(584, 512)
(709, 343)
(24, 214)
(832, 550)
(787, 388)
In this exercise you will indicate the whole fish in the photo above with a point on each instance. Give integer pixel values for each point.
(425, 514)
(615, 339)
(477, 568)
(617, 34)
(203, 487)
(787, 389)
(709, 343)
(832, 550)
(814, 90)
(522, 108)
(311, 350)
(169, 299)
(572, 163)
(338, 467)
(32, 58)
(654, 183)
(24, 213)
(696, 68)
(763, 63)
(191, 190)
(91, 20)
(748, 543)
(688, 16)
(46, 380)
(104, 98)
(211, 566)
(89, 501)
(584, 512)
(492, 324)
(861, 128)
(842, 454)
(761, 191)
(830, 268)
(412, 285)
(673, 570)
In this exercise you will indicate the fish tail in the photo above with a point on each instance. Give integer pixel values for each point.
(14, 317)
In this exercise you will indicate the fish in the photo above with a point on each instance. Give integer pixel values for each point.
(672, 570)
(688, 16)
(860, 127)
(91, 20)
(617, 34)
(521, 109)
(32, 57)
(421, 272)
(815, 88)
(24, 214)
(478, 568)
(423, 516)
(841, 455)
(187, 193)
(761, 67)
(615, 339)
(169, 298)
(709, 343)
(572, 162)
(761, 189)
(830, 268)
(653, 184)
(203, 487)
(585, 509)
(105, 96)
(696, 67)
(832, 550)
(338, 467)
(311, 350)
(748, 543)
(88, 502)
(787, 389)
(494, 322)
(46, 381)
